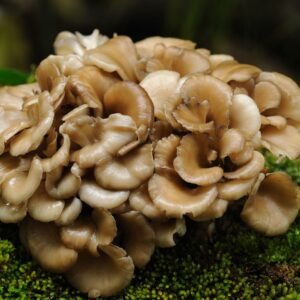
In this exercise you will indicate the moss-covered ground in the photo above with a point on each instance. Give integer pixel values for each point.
(232, 263)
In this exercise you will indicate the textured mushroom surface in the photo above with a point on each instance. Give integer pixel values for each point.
(120, 145)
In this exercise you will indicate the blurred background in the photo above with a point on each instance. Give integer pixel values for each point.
(265, 33)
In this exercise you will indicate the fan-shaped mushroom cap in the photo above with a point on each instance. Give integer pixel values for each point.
(106, 227)
(141, 201)
(115, 133)
(266, 95)
(242, 157)
(290, 94)
(216, 210)
(68, 43)
(20, 186)
(97, 197)
(161, 87)
(166, 232)
(165, 152)
(63, 186)
(235, 71)
(43, 207)
(191, 161)
(160, 130)
(45, 246)
(77, 235)
(128, 98)
(12, 214)
(116, 55)
(275, 205)
(128, 171)
(139, 237)
(250, 169)
(232, 141)
(216, 92)
(70, 213)
(284, 141)
(245, 116)
(217, 59)
(88, 85)
(235, 189)
(146, 47)
(276, 121)
(60, 158)
(105, 275)
(29, 139)
(170, 194)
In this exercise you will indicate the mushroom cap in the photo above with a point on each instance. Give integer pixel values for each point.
(244, 115)
(145, 48)
(251, 169)
(105, 275)
(70, 213)
(12, 214)
(128, 98)
(106, 227)
(20, 186)
(77, 235)
(232, 141)
(171, 195)
(216, 92)
(141, 201)
(43, 207)
(284, 141)
(98, 197)
(139, 237)
(116, 55)
(166, 232)
(276, 121)
(191, 162)
(217, 59)
(160, 130)
(242, 157)
(128, 171)
(275, 205)
(45, 246)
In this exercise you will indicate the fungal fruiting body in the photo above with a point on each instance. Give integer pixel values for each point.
(118, 143)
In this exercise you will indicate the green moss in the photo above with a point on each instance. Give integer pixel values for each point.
(238, 264)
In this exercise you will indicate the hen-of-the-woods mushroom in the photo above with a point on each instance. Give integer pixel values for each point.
(118, 143)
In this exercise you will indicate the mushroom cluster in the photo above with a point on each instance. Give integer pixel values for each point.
(118, 142)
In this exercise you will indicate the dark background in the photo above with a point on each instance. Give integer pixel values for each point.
(265, 33)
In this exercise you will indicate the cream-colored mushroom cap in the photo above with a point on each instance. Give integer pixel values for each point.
(191, 161)
(216, 92)
(20, 186)
(284, 141)
(161, 87)
(116, 55)
(128, 171)
(139, 238)
(166, 231)
(12, 214)
(171, 195)
(43, 207)
(217, 59)
(146, 47)
(128, 98)
(105, 275)
(97, 197)
(275, 205)
(232, 141)
(77, 235)
(141, 201)
(70, 213)
(244, 115)
(45, 246)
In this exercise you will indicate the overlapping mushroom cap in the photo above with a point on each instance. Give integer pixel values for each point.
(118, 143)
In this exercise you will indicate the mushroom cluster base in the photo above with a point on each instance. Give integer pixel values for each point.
(117, 143)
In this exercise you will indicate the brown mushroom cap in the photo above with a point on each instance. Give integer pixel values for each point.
(232, 141)
(128, 98)
(12, 214)
(128, 171)
(116, 55)
(105, 275)
(139, 237)
(191, 162)
(275, 205)
(170, 194)
(70, 213)
(97, 197)
(45, 246)
(166, 231)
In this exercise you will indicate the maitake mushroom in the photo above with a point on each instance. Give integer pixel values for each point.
(118, 143)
